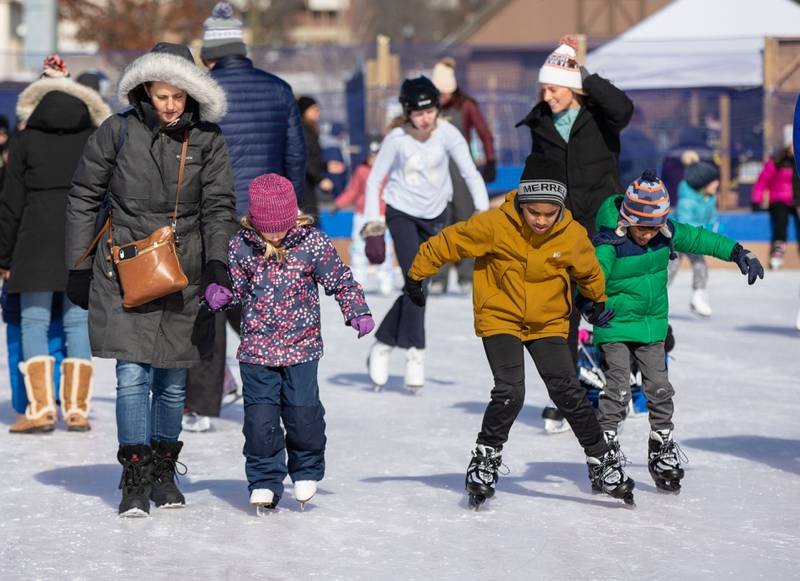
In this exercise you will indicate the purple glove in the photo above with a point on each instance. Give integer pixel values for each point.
(217, 296)
(375, 249)
(364, 324)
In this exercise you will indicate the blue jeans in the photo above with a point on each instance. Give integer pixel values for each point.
(138, 419)
(36, 310)
(292, 394)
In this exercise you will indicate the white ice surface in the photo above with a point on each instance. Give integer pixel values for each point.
(392, 505)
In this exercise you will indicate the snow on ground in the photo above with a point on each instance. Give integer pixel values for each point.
(392, 505)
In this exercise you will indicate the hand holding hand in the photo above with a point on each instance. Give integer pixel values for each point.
(596, 314)
(217, 297)
(413, 290)
(363, 324)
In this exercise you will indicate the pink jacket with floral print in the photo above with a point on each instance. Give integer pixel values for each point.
(279, 299)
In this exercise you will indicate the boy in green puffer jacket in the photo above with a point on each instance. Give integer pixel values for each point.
(634, 243)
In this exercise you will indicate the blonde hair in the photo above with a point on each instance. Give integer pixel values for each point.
(272, 249)
(689, 157)
(580, 94)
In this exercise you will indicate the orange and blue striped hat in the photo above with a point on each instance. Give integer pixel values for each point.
(646, 201)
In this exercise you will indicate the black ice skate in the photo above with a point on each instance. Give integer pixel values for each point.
(135, 483)
(664, 460)
(482, 474)
(164, 492)
(607, 476)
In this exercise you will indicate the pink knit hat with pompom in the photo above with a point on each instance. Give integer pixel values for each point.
(273, 203)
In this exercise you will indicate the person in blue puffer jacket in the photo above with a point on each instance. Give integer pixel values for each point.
(264, 134)
(697, 206)
(262, 129)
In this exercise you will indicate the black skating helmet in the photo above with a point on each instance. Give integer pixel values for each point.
(418, 94)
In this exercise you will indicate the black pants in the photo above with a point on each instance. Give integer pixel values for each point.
(205, 380)
(554, 363)
(779, 217)
(404, 324)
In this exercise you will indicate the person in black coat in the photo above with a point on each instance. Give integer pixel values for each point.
(577, 123)
(315, 162)
(59, 116)
(172, 99)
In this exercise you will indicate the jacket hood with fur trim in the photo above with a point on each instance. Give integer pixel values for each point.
(33, 94)
(177, 71)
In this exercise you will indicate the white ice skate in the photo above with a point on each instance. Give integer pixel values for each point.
(304, 490)
(415, 369)
(378, 364)
(264, 500)
(699, 303)
(193, 422)
(797, 322)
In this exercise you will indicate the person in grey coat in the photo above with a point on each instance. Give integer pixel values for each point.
(132, 164)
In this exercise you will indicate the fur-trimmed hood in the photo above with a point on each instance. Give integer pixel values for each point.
(177, 71)
(33, 94)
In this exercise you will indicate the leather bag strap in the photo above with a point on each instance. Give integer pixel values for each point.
(184, 149)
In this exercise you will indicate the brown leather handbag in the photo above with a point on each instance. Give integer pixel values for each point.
(149, 268)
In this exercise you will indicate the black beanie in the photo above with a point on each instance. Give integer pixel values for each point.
(304, 102)
(700, 174)
(543, 180)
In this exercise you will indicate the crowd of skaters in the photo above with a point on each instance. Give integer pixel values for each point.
(244, 215)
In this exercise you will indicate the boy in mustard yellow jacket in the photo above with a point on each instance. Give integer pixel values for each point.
(526, 251)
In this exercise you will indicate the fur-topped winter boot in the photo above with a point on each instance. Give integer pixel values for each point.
(76, 393)
(40, 415)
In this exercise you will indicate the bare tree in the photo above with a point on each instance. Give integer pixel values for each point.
(136, 24)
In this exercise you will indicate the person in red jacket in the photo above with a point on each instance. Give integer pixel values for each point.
(353, 195)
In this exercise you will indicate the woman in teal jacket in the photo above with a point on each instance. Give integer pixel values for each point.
(697, 206)
(634, 244)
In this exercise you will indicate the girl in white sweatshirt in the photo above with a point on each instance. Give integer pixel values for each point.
(414, 159)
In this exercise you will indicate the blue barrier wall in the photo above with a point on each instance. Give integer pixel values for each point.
(749, 226)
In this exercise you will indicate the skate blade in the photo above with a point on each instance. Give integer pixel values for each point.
(264, 509)
(476, 501)
(414, 389)
(701, 315)
(134, 513)
(628, 501)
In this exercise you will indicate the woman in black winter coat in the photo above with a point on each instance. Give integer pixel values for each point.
(59, 116)
(315, 161)
(134, 165)
(577, 123)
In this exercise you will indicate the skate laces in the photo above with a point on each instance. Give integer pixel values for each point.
(671, 450)
(489, 465)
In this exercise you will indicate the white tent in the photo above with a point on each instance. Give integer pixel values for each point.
(697, 43)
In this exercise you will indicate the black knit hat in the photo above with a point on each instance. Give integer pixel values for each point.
(543, 180)
(304, 102)
(700, 174)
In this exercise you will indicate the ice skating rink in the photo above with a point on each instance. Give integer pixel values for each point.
(392, 505)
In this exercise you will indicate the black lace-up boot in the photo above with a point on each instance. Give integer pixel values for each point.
(135, 483)
(166, 468)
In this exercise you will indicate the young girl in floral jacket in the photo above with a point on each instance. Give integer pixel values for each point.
(276, 261)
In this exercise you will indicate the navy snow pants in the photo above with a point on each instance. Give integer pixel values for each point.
(291, 394)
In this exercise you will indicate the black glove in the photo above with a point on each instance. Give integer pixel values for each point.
(78, 284)
(216, 271)
(596, 314)
(584, 73)
(756, 207)
(748, 263)
(413, 290)
(490, 171)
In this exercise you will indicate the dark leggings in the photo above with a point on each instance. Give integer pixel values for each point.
(553, 361)
(779, 217)
(404, 324)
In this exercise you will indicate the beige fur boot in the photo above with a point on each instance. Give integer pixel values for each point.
(76, 393)
(40, 415)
